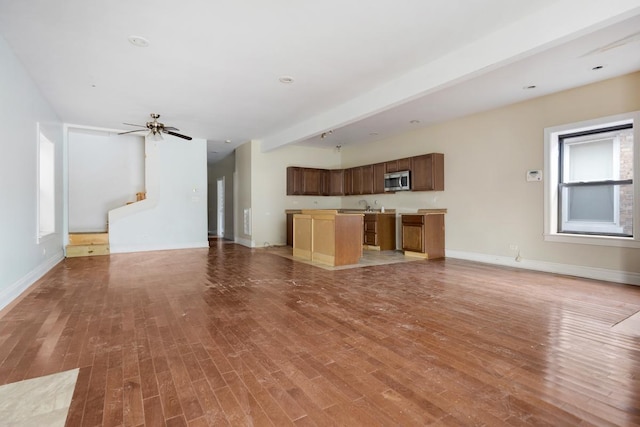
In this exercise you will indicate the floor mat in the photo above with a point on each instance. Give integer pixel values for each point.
(42, 401)
(368, 259)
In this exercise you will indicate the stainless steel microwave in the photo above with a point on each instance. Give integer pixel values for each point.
(397, 181)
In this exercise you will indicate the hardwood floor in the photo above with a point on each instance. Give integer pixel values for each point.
(234, 336)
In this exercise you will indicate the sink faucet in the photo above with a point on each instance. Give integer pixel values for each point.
(366, 204)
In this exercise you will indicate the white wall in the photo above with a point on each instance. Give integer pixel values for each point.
(266, 193)
(22, 258)
(174, 214)
(105, 171)
(490, 205)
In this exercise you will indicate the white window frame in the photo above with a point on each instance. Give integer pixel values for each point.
(43, 233)
(596, 227)
(551, 161)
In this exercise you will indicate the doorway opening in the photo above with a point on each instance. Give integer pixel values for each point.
(220, 206)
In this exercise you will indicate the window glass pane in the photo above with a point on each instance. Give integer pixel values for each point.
(590, 203)
(591, 161)
(603, 209)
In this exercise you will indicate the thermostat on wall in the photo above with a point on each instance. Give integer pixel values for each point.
(535, 175)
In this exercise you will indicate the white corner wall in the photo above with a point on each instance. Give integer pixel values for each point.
(174, 215)
(105, 172)
(24, 259)
(262, 188)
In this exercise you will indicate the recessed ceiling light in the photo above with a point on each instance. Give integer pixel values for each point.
(138, 41)
(598, 67)
(529, 87)
(414, 122)
(227, 141)
(286, 79)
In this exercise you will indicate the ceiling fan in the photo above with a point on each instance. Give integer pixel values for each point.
(156, 129)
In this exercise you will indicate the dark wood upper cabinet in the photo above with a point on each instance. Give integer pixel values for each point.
(367, 179)
(312, 182)
(294, 181)
(336, 182)
(427, 172)
(356, 183)
(307, 181)
(348, 182)
(378, 178)
(398, 165)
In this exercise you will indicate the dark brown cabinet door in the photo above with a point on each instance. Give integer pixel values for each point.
(424, 233)
(348, 182)
(312, 182)
(356, 183)
(367, 179)
(378, 178)
(398, 165)
(413, 233)
(294, 181)
(336, 182)
(427, 172)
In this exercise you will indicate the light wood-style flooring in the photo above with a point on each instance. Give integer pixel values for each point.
(235, 336)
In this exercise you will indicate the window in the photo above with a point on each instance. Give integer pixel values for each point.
(589, 194)
(46, 186)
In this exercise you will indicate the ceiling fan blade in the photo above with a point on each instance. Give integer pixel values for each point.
(131, 131)
(171, 128)
(133, 124)
(188, 138)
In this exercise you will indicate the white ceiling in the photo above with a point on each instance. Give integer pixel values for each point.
(361, 69)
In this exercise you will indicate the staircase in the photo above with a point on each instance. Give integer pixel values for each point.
(87, 244)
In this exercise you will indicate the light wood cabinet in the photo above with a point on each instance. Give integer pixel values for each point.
(423, 234)
(427, 172)
(380, 231)
(327, 237)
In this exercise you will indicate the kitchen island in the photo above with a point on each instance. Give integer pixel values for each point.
(328, 237)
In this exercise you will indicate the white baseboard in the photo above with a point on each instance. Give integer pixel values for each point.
(121, 249)
(617, 276)
(14, 290)
(245, 242)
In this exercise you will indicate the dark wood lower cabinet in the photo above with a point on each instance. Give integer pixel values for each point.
(423, 235)
(380, 231)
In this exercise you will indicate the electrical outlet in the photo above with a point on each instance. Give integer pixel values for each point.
(513, 247)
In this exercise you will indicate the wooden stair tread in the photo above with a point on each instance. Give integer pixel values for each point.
(87, 250)
(101, 238)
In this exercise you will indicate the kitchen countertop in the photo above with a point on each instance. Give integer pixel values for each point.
(346, 211)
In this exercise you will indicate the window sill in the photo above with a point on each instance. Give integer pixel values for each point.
(619, 242)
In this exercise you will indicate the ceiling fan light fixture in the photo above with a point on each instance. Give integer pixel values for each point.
(155, 136)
